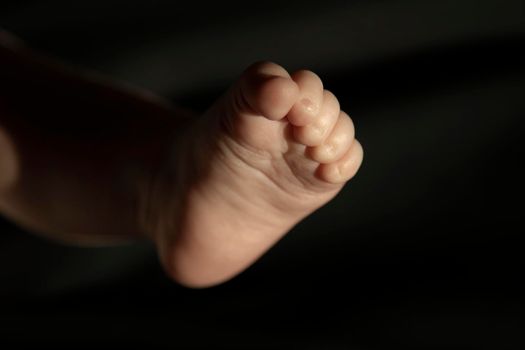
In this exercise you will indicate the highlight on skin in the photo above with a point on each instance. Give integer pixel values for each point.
(9, 166)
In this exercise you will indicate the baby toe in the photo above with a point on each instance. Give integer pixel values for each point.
(345, 168)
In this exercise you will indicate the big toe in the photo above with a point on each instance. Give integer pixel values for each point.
(265, 89)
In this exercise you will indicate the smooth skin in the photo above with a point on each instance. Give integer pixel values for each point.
(213, 192)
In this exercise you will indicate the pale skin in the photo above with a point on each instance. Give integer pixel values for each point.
(213, 192)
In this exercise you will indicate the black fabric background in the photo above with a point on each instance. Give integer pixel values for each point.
(421, 250)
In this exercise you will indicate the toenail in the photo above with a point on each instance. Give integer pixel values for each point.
(317, 129)
(329, 148)
(308, 105)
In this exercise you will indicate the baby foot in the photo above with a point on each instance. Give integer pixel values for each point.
(272, 150)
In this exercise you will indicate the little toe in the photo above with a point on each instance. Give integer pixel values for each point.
(310, 98)
(345, 168)
(337, 143)
(315, 133)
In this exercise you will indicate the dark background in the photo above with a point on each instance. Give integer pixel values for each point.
(419, 251)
